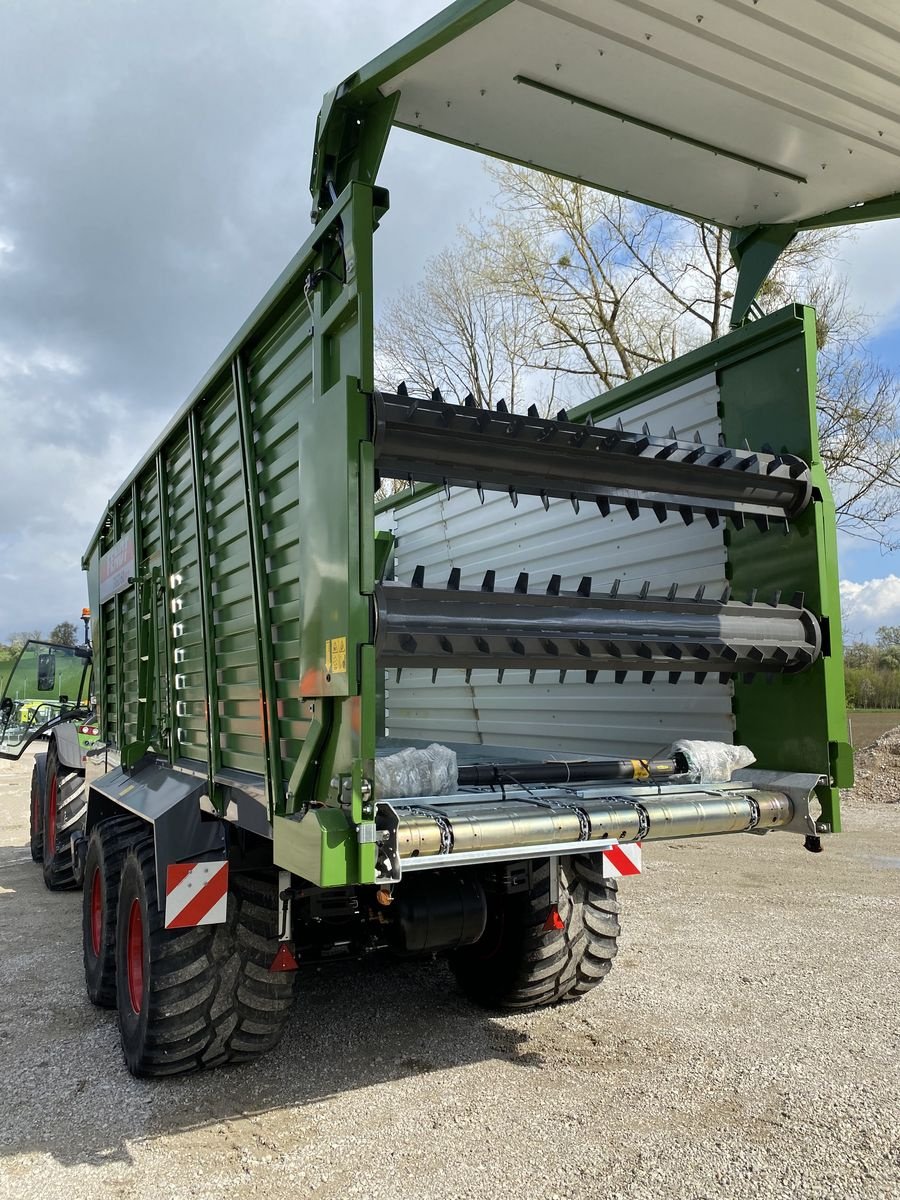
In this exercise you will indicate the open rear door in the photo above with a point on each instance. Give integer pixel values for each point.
(48, 683)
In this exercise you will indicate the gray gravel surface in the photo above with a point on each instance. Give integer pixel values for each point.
(744, 1046)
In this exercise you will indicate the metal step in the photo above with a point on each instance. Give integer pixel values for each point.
(430, 441)
(463, 628)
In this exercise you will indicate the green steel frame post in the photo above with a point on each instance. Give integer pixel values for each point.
(206, 606)
(148, 593)
(167, 719)
(799, 719)
(755, 252)
(120, 644)
(335, 844)
(138, 573)
(264, 649)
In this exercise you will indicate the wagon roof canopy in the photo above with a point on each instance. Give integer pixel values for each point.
(741, 112)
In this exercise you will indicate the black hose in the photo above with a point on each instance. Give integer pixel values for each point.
(488, 774)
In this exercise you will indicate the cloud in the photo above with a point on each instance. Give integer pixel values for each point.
(153, 183)
(867, 605)
(871, 263)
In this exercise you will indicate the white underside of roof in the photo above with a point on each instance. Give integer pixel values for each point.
(807, 88)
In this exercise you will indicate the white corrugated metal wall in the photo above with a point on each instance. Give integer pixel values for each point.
(600, 718)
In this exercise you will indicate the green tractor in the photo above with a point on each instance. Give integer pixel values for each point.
(47, 696)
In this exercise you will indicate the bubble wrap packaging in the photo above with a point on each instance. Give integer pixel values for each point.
(428, 772)
(711, 762)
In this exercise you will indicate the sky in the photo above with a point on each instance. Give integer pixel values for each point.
(154, 166)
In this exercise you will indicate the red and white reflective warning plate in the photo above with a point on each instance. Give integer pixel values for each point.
(622, 860)
(196, 894)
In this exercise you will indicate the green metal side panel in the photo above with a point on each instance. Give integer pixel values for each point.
(234, 688)
(766, 373)
(800, 721)
(151, 558)
(190, 735)
(279, 378)
(255, 515)
(126, 625)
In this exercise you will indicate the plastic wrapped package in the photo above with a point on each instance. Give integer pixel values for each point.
(711, 762)
(428, 772)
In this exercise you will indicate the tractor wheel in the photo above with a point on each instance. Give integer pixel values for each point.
(532, 953)
(38, 784)
(109, 842)
(64, 810)
(189, 999)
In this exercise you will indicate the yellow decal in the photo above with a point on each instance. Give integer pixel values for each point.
(336, 656)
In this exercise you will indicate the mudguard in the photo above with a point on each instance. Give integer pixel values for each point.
(167, 799)
(68, 748)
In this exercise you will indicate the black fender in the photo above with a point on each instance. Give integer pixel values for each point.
(68, 748)
(169, 801)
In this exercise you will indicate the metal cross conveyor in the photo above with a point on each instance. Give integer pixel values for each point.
(460, 830)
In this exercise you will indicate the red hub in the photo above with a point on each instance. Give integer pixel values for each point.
(50, 832)
(96, 914)
(134, 956)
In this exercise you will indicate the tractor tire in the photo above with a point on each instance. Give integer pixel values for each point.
(64, 811)
(523, 960)
(110, 841)
(189, 999)
(36, 822)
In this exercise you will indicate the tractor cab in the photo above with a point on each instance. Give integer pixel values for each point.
(49, 683)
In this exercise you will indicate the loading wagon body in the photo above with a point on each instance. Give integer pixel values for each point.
(552, 604)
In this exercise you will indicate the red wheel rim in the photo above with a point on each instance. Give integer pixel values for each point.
(96, 914)
(51, 818)
(134, 956)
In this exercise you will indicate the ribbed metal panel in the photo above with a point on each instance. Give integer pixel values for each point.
(233, 619)
(128, 661)
(279, 377)
(189, 719)
(629, 718)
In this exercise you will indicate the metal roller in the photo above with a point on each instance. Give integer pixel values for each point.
(451, 627)
(441, 832)
(430, 441)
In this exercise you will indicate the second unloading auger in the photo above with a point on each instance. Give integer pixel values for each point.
(428, 440)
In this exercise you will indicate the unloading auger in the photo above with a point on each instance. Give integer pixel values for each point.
(428, 440)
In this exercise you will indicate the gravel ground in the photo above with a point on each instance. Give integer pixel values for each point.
(745, 1046)
(877, 773)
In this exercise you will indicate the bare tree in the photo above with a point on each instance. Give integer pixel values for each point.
(457, 333)
(620, 287)
(589, 290)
